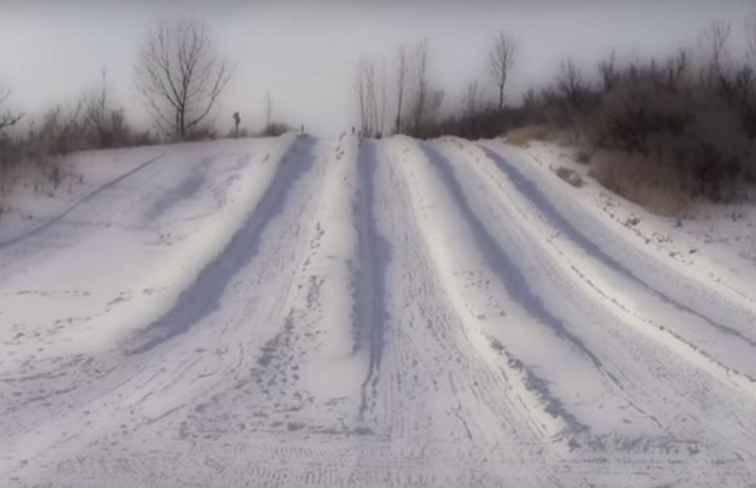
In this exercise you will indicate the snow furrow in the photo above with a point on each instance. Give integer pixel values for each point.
(203, 296)
(530, 191)
(470, 253)
(356, 313)
(370, 272)
(608, 326)
(502, 265)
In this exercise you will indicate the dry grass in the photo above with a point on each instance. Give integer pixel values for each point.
(523, 135)
(655, 186)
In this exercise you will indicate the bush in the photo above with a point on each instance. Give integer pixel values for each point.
(658, 187)
(201, 134)
(523, 135)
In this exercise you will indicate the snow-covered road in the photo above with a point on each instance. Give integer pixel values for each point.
(336, 313)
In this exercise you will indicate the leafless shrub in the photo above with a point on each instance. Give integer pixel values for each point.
(472, 103)
(8, 149)
(372, 99)
(106, 123)
(572, 85)
(609, 72)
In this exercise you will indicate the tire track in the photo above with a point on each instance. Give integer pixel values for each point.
(370, 275)
(502, 265)
(650, 386)
(533, 391)
(203, 296)
(530, 191)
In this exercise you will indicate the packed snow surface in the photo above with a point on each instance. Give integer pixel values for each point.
(345, 313)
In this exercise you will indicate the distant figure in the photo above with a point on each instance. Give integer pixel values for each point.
(353, 130)
(237, 121)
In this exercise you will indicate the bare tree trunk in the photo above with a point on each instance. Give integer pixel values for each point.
(422, 84)
(402, 75)
(384, 99)
(268, 110)
(501, 59)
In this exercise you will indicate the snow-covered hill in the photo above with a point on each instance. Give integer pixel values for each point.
(304, 312)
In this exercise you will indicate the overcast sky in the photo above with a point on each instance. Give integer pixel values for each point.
(305, 52)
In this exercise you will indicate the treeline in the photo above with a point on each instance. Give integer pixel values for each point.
(33, 153)
(180, 76)
(399, 96)
(681, 126)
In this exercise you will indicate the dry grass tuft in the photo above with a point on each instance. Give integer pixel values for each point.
(653, 185)
(522, 136)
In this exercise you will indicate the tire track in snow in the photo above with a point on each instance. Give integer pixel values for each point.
(502, 265)
(692, 400)
(184, 191)
(427, 341)
(203, 296)
(370, 275)
(558, 421)
(533, 194)
(499, 209)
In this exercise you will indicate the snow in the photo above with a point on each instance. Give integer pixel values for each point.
(312, 312)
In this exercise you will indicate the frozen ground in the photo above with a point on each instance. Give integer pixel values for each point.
(304, 312)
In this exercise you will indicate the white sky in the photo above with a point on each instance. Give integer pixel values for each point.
(305, 52)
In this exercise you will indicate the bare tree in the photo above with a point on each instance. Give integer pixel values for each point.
(372, 98)
(180, 74)
(369, 93)
(610, 75)
(7, 118)
(421, 78)
(471, 102)
(715, 39)
(750, 32)
(400, 85)
(237, 120)
(572, 85)
(383, 99)
(501, 59)
(268, 109)
(107, 123)
(675, 70)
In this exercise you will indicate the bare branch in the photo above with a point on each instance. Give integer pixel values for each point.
(501, 59)
(401, 83)
(7, 118)
(180, 75)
